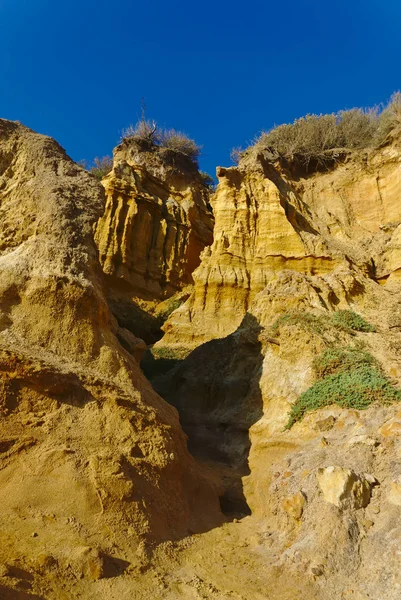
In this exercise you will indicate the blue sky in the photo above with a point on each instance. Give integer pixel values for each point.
(220, 71)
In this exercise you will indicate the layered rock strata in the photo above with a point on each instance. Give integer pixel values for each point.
(267, 219)
(156, 221)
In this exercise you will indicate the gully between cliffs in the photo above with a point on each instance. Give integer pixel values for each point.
(216, 392)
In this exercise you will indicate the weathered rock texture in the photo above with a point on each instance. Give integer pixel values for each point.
(325, 493)
(156, 222)
(94, 470)
(324, 496)
(268, 220)
(93, 464)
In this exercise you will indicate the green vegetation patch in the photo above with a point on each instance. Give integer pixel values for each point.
(351, 320)
(345, 320)
(158, 361)
(338, 360)
(310, 322)
(170, 353)
(348, 377)
(167, 307)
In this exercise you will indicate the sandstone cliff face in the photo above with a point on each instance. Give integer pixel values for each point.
(156, 220)
(92, 462)
(324, 495)
(267, 220)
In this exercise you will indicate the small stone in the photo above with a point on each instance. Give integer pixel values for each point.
(89, 563)
(46, 561)
(362, 439)
(317, 571)
(391, 428)
(367, 523)
(344, 488)
(35, 534)
(326, 424)
(294, 505)
(394, 496)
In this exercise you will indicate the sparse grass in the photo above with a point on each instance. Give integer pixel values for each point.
(169, 306)
(236, 154)
(316, 141)
(313, 323)
(170, 353)
(100, 167)
(158, 361)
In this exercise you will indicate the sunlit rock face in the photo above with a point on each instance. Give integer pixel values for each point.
(269, 219)
(156, 221)
(325, 491)
(93, 463)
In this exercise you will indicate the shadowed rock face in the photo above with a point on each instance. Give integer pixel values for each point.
(90, 456)
(156, 221)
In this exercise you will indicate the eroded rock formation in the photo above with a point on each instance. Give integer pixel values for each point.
(93, 464)
(156, 221)
(97, 488)
(323, 494)
(267, 220)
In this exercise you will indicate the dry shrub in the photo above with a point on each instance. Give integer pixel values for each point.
(100, 167)
(390, 119)
(177, 141)
(142, 130)
(317, 140)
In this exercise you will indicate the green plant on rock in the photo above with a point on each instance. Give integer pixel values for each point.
(351, 320)
(338, 360)
(159, 360)
(348, 377)
(313, 323)
(345, 320)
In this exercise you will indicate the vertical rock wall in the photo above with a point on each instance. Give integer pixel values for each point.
(156, 222)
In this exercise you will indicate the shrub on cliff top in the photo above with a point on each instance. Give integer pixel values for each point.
(146, 130)
(316, 141)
